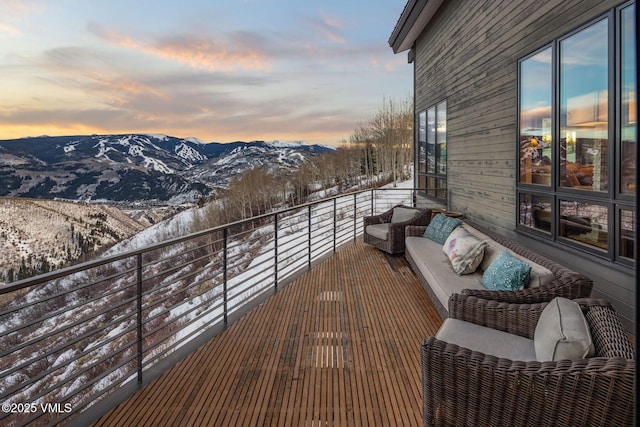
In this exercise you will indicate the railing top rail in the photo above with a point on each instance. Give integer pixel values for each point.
(43, 278)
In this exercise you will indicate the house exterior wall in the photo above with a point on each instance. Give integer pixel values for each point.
(468, 55)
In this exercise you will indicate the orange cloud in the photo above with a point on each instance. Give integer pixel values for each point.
(129, 86)
(205, 54)
(197, 52)
(330, 28)
(9, 30)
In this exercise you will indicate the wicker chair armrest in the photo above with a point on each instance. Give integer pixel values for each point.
(609, 336)
(415, 230)
(569, 286)
(518, 319)
(463, 387)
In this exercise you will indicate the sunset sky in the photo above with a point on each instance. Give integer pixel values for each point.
(216, 70)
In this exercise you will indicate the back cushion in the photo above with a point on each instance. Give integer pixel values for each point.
(440, 227)
(402, 214)
(539, 275)
(562, 332)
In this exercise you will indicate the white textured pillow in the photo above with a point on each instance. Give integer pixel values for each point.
(464, 251)
(402, 214)
(562, 332)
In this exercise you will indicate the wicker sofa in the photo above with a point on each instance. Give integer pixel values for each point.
(432, 266)
(464, 386)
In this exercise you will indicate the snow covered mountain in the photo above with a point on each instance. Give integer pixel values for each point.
(276, 156)
(40, 235)
(136, 167)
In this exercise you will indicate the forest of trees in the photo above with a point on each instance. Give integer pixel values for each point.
(378, 152)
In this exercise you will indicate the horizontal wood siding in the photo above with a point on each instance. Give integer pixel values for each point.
(468, 55)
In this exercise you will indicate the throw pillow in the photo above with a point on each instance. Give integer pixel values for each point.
(402, 214)
(464, 251)
(562, 332)
(440, 227)
(506, 273)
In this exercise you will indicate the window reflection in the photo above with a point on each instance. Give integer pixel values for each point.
(536, 212)
(629, 94)
(422, 142)
(431, 140)
(585, 223)
(535, 119)
(431, 187)
(584, 109)
(442, 189)
(627, 233)
(422, 182)
(441, 140)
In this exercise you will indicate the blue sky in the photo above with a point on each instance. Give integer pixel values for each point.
(216, 70)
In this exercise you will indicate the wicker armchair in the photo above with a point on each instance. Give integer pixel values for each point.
(390, 238)
(462, 387)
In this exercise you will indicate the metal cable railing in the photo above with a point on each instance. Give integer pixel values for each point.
(72, 337)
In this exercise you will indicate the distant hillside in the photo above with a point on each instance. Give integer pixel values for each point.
(41, 235)
(134, 168)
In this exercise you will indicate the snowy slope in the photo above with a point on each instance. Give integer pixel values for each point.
(34, 231)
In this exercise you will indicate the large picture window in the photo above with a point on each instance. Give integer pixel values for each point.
(536, 137)
(577, 134)
(584, 108)
(432, 151)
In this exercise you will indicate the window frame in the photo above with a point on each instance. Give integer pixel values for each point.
(437, 192)
(613, 198)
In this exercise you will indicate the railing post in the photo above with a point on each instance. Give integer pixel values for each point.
(275, 233)
(355, 214)
(225, 237)
(372, 194)
(309, 239)
(139, 314)
(335, 223)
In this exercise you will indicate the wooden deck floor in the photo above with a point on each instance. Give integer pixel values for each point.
(338, 346)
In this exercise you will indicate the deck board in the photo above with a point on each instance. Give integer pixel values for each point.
(338, 346)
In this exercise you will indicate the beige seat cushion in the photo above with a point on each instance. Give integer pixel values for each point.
(380, 231)
(486, 340)
(436, 268)
(562, 332)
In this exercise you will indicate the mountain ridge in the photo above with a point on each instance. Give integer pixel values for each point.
(135, 168)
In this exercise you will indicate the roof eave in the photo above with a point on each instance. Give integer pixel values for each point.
(414, 18)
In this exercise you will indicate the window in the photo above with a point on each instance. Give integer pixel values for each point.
(577, 136)
(584, 108)
(629, 96)
(432, 151)
(535, 119)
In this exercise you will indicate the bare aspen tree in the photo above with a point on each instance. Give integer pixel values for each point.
(386, 141)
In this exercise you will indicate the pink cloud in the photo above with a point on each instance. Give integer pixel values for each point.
(330, 28)
(9, 30)
(197, 52)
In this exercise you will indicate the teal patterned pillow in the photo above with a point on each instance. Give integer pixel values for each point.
(506, 273)
(440, 227)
